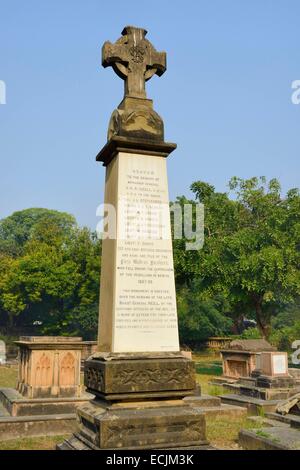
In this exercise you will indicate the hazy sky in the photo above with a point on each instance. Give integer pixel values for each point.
(225, 98)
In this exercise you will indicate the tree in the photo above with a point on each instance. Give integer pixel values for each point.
(52, 273)
(19, 227)
(251, 253)
(199, 319)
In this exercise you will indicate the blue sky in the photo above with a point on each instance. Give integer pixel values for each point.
(225, 98)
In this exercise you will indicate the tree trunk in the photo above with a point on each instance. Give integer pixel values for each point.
(10, 323)
(263, 328)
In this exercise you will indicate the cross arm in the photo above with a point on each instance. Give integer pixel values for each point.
(114, 55)
(157, 60)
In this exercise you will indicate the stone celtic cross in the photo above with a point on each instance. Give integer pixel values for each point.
(134, 59)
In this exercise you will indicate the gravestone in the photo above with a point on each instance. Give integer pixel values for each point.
(49, 366)
(242, 357)
(139, 376)
(268, 383)
(48, 377)
(2, 352)
(274, 363)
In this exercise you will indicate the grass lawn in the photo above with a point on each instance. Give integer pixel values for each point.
(221, 432)
(32, 443)
(8, 376)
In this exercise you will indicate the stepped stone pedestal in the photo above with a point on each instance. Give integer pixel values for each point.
(268, 385)
(139, 377)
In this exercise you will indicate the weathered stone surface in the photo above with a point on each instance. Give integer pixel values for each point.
(242, 358)
(284, 381)
(253, 405)
(42, 425)
(203, 401)
(290, 419)
(130, 145)
(125, 376)
(294, 373)
(135, 60)
(292, 404)
(224, 411)
(141, 425)
(238, 363)
(18, 405)
(136, 118)
(274, 438)
(264, 421)
(49, 366)
(264, 393)
(253, 345)
(274, 363)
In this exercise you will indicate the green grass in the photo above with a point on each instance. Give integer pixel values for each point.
(32, 443)
(223, 432)
(209, 389)
(8, 376)
(263, 434)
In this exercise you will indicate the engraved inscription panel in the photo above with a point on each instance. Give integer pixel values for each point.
(145, 315)
(279, 364)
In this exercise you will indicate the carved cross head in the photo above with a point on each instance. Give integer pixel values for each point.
(134, 59)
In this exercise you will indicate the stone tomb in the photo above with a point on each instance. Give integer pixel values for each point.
(241, 357)
(139, 376)
(48, 387)
(49, 366)
(268, 385)
(2, 352)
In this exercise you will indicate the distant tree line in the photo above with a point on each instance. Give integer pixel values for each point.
(248, 266)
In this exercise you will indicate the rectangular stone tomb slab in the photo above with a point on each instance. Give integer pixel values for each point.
(140, 377)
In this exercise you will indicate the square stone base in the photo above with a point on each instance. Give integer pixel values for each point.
(162, 424)
(113, 376)
(17, 405)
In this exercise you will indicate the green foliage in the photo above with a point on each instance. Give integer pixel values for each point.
(287, 316)
(248, 266)
(52, 274)
(18, 228)
(251, 254)
(251, 333)
(200, 319)
(283, 337)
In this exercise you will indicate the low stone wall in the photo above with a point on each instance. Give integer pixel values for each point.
(29, 426)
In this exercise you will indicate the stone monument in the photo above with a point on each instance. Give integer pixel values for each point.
(49, 366)
(139, 376)
(241, 357)
(48, 377)
(268, 384)
(2, 352)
